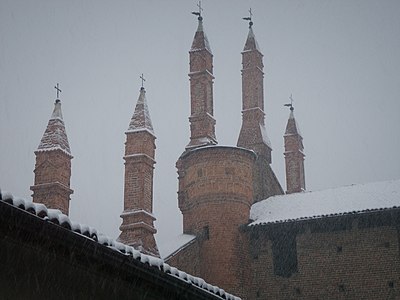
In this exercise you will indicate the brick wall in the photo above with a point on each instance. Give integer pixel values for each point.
(215, 195)
(52, 179)
(351, 262)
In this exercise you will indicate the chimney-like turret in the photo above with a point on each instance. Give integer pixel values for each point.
(53, 165)
(294, 156)
(137, 227)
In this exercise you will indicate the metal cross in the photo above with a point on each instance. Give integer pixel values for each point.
(58, 90)
(291, 103)
(249, 18)
(143, 80)
(200, 8)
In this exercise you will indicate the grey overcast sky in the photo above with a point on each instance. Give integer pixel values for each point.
(340, 60)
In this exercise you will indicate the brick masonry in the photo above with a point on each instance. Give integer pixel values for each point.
(137, 227)
(52, 179)
(215, 195)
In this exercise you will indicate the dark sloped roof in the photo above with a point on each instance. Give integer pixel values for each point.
(56, 218)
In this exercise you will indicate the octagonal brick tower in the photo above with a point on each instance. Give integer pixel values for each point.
(137, 227)
(294, 156)
(253, 134)
(202, 122)
(215, 190)
(53, 165)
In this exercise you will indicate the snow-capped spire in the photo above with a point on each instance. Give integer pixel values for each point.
(200, 40)
(141, 117)
(55, 136)
(57, 114)
(52, 170)
(294, 155)
(251, 42)
(292, 127)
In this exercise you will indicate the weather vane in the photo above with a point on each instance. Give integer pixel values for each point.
(290, 104)
(58, 90)
(198, 13)
(143, 80)
(249, 18)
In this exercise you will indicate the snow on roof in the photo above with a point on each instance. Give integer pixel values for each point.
(55, 135)
(176, 244)
(55, 216)
(307, 205)
(265, 136)
(141, 117)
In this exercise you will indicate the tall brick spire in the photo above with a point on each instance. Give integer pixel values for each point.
(294, 156)
(53, 165)
(253, 134)
(202, 122)
(137, 227)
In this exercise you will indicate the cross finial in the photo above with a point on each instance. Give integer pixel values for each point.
(198, 13)
(249, 18)
(290, 104)
(143, 80)
(58, 90)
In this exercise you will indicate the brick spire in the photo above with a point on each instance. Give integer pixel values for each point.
(137, 227)
(53, 165)
(202, 122)
(294, 156)
(253, 134)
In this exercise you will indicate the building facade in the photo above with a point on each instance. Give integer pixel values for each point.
(242, 231)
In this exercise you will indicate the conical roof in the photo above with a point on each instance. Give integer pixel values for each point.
(200, 40)
(251, 42)
(141, 117)
(55, 135)
(292, 127)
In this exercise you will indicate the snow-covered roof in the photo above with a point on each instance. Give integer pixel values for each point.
(55, 135)
(176, 244)
(307, 205)
(265, 137)
(55, 216)
(141, 117)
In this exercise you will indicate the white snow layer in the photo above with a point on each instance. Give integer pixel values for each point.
(57, 217)
(174, 245)
(347, 199)
(141, 116)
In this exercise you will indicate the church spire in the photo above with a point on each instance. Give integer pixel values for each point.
(53, 164)
(253, 134)
(141, 117)
(294, 155)
(55, 136)
(137, 227)
(202, 122)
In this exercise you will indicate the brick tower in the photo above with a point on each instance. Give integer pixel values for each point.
(137, 227)
(202, 122)
(253, 133)
(53, 165)
(215, 184)
(294, 156)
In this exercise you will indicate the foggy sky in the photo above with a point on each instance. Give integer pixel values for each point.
(339, 59)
